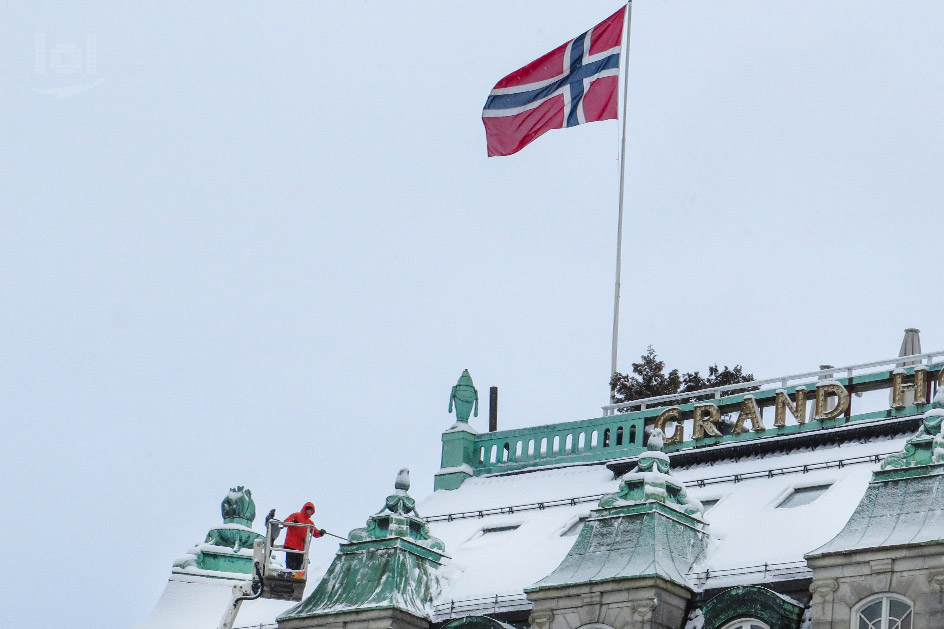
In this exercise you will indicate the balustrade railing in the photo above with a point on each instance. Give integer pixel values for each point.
(619, 435)
(483, 605)
(592, 439)
(782, 382)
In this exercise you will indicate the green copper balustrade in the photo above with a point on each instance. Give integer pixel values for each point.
(595, 439)
(468, 453)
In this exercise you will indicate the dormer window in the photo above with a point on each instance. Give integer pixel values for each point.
(802, 496)
(499, 529)
(710, 503)
(488, 535)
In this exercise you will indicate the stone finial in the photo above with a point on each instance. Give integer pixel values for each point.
(464, 396)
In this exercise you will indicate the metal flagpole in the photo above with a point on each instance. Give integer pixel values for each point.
(622, 158)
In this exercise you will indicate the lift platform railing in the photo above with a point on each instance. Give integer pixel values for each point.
(278, 582)
(271, 581)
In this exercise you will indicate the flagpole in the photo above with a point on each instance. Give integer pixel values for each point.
(619, 229)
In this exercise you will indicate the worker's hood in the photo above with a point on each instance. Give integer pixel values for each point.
(308, 504)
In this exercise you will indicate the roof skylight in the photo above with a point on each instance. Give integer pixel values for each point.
(803, 496)
(710, 503)
(489, 535)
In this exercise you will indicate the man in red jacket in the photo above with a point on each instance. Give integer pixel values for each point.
(296, 536)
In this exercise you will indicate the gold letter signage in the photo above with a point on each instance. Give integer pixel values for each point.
(830, 401)
(749, 411)
(702, 426)
(671, 414)
(825, 388)
(783, 405)
(905, 395)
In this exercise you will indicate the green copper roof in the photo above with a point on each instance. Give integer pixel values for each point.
(391, 563)
(775, 610)
(904, 503)
(227, 548)
(895, 511)
(648, 528)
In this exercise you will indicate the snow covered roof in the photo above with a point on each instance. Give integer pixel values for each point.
(904, 502)
(510, 505)
(506, 532)
(393, 562)
(198, 602)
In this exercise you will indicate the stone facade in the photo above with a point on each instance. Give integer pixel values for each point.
(646, 603)
(370, 619)
(841, 582)
(894, 542)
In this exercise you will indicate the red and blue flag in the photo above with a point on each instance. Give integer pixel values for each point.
(575, 83)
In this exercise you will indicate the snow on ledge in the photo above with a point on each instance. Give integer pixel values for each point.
(462, 427)
(465, 468)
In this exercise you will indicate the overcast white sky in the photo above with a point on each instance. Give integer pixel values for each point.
(258, 244)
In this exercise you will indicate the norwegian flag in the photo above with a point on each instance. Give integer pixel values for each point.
(573, 84)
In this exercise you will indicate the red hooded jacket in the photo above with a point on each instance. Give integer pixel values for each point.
(295, 536)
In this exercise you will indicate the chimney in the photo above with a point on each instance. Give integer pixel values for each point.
(493, 409)
(910, 345)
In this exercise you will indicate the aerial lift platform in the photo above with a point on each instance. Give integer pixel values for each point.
(270, 581)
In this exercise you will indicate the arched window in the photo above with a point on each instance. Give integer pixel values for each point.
(883, 611)
(747, 623)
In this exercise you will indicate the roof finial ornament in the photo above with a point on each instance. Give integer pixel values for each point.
(464, 396)
(656, 440)
(402, 484)
(925, 447)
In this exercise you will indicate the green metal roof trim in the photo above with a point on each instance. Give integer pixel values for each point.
(393, 562)
(478, 622)
(904, 503)
(377, 578)
(475, 450)
(752, 602)
(648, 528)
(628, 546)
